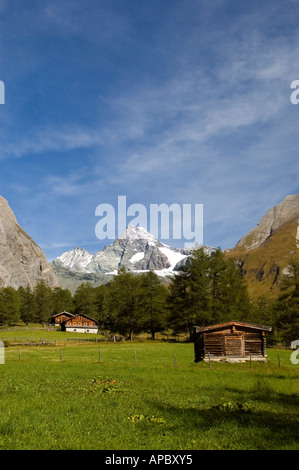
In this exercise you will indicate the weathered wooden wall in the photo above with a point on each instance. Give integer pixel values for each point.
(231, 342)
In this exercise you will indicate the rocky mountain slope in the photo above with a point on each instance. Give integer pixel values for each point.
(136, 249)
(22, 262)
(264, 253)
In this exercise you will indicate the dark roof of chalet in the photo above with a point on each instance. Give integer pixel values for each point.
(63, 313)
(81, 315)
(219, 326)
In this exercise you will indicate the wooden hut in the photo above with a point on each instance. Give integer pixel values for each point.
(232, 341)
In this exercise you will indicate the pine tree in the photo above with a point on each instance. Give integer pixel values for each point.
(85, 301)
(43, 297)
(9, 306)
(101, 293)
(229, 297)
(208, 290)
(62, 301)
(152, 304)
(199, 284)
(190, 296)
(27, 308)
(122, 303)
(286, 309)
(182, 315)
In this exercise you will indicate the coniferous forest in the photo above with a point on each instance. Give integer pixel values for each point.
(209, 290)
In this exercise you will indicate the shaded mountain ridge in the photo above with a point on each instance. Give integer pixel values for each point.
(22, 261)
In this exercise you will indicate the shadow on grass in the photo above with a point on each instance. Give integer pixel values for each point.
(255, 428)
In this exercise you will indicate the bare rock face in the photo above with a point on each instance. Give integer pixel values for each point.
(275, 218)
(264, 254)
(22, 261)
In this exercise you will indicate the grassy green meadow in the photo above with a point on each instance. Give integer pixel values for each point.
(142, 395)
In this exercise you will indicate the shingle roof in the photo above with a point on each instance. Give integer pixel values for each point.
(199, 329)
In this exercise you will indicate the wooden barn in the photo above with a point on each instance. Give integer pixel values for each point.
(80, 324)
(232, 341)
(59, 318)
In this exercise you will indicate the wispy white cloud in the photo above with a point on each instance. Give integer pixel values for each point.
(74, 183)
(52, 140)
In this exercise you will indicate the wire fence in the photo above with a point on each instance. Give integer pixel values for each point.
(16, 340)
(107, 354)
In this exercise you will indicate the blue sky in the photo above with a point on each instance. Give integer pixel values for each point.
(167, 101)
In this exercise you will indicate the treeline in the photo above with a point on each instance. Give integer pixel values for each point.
(209, 289)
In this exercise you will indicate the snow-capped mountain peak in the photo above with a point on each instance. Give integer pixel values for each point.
(76, 259)
(138, 233)
(136, 249)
